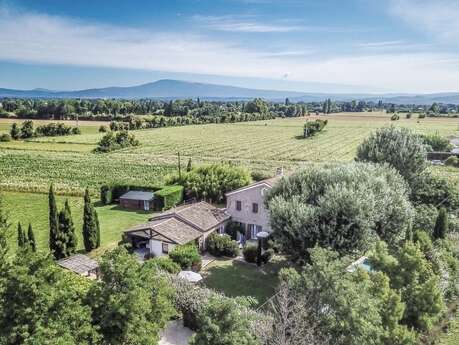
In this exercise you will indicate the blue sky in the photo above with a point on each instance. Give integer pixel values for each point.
(315, 46)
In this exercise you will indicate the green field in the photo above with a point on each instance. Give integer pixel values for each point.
(262, 146)
(33, 208)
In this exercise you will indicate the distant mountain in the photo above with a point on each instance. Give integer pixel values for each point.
(175, 89)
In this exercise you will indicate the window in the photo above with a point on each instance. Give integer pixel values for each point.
(238, 205)
(165, 248)
(221, 229)
(254, 230)
(255, 207)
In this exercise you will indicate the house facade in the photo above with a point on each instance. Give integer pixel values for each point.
(246, 206)
(191, 223)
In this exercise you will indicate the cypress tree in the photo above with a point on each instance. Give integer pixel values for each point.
(91, 233)
(22, 241)
(54, 246)
(67, 229)
(441, 225)
(31, 237)
(189, 166)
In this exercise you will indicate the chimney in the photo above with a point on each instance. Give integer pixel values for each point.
(280, 171)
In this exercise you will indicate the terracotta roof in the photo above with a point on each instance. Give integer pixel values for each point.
(202, 215)
(182, 224)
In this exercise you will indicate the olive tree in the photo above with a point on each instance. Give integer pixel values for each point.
(342, 207)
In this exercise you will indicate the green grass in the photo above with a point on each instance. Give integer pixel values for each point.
(234, 278)
(261, 145)
(33, 208)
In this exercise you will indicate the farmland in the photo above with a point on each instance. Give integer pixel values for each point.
(261, 145)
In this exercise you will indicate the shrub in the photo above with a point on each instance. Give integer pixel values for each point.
(5, 137)
(452, 161)
(425, 217)
(395, 117)
(103, 129)
(267, 256)
(222, 245)
(187, 257)
(232, 228)
(164, 263)
(120, 140)
(169, 196)
(408, 115)
(422, 116)
(250, 253)
(437, 142)
(55, 129)
(311, 128)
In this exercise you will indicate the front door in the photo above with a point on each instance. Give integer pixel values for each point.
(146, 205)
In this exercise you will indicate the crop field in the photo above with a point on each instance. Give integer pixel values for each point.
(262, 146)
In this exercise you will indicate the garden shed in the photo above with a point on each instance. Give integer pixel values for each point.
(137, 200)
(80, 264)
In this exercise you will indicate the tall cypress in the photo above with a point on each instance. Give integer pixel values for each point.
(441, 225)
(91, 236)
(189, 166)
(22, 241)
(31, 238)
(67, 230)
(54, 246)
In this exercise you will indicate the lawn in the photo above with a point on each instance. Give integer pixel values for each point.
(235, 278)
(33, 208)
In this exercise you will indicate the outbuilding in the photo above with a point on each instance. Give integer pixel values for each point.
(137, 200)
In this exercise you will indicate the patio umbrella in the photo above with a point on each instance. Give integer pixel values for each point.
(190, 276)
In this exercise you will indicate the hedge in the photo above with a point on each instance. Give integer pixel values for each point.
(109, 193)
(187, 256)
(169, 196)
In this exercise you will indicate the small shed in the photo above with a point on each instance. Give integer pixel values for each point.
(80, 264)
(137, 200)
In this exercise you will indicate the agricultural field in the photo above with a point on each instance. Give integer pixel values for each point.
(262, 146)
(33, 208)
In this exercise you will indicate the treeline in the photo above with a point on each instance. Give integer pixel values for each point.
(27, 130)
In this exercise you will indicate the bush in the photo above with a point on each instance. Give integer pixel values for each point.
(395, 117)
(421, 116)
(169, 196)
(103, 129)
(164, 263)
(425, 217)
(222, 245)
(55, 129)
(250, 253)
(267, 256)
(452, 161)
(187, 257)
(437, 142)
(311, 128)
(5, 137)
(232, 228)
(120, 140)
(408, 115)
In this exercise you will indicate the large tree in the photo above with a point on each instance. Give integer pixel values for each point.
(399, 147)
(67, 229)
(31, 238)
(91, 231)
(441, 224)
(132, 302)
(342, 207)
(54, 245)
(22, 239)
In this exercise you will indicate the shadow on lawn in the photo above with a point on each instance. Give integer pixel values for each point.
(235, 278)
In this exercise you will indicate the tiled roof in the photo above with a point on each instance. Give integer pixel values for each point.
(270, 182)
(78, 263)
(137, 195)
(182, 224)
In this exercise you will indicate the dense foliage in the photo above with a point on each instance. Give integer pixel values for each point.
(311, 128)
(211, 182)
(169, 196)
(222, 245)
(341, 207)
(115, 141)
(91, 227)
(186, 256)
(399, 147)
(52, 129)
(436, 142)
(250, 252)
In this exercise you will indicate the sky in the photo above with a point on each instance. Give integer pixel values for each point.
(370, 46)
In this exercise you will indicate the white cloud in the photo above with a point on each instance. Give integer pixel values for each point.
(243, 24)
(47, 39)
(437, 17)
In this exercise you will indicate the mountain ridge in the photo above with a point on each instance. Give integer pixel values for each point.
(176, 89)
